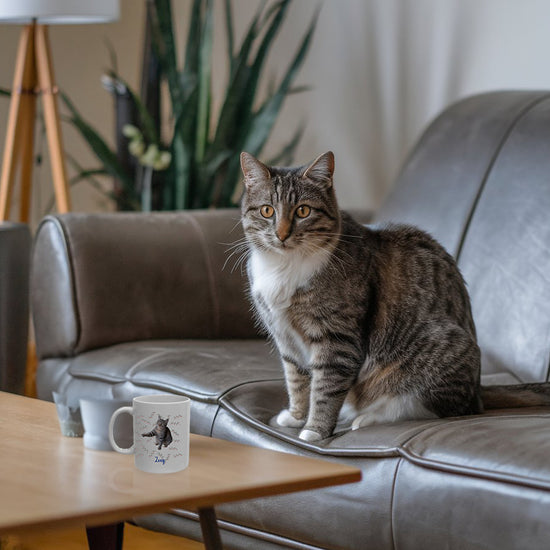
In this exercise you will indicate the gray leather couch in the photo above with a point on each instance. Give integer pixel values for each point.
(128, 304)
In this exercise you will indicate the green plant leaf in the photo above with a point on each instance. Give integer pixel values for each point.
(100, 148)
(233, 130)
(164, 44)
(231, 114)
(212, 173)
(280, 12)
(205, 77)
(285, 156)
(205, 165)
(181, 160)
(249, 93)
(245, 114)
(191, 65)
(112, 55)
(147, 124)
(5, 92)
(263, 120)
(87, 175)
(299, 89)
(230, 36)
(183, 154)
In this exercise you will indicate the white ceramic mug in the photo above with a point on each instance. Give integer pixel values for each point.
(96, 415)
(161, 432)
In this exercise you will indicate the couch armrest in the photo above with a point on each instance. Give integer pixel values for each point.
(15, 251)
(102, 279)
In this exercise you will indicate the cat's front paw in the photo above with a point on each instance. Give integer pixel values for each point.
(284, 418)
(310, 435)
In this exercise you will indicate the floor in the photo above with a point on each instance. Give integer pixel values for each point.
(135, 538)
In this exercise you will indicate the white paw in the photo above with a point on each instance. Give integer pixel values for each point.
(309, 435)
(284, 418)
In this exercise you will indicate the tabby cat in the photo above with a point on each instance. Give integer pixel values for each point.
(161, 433)
(378, 318)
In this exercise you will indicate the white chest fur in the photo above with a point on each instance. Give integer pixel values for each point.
(276, 277)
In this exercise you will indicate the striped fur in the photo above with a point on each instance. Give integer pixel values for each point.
(379, 318)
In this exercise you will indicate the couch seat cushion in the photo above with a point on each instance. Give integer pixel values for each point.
(511, 447)
(202, 369)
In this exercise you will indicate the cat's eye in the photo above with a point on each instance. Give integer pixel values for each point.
(303, 211)
(267, 211)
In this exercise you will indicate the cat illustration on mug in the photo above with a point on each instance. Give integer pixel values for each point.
(161, 433)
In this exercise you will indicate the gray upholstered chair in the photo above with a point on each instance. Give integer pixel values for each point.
(15, 248)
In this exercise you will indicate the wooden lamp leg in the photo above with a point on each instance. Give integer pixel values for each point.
(27, 160)
(51, 116)
(21, 114)
(26, 148)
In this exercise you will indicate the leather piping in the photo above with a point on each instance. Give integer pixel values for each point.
(482, 473)
(57, 223)
(392, 496)
(292, 438)
(530, 105)
(487, 475)
(403, 450)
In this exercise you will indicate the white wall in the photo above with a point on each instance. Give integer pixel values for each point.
(380, 70)
(390, 66)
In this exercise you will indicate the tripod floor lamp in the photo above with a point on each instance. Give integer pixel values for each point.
(33, 78)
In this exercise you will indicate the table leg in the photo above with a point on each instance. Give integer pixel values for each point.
(209, 528)
(105, 537)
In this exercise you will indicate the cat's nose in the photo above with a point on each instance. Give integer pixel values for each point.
(283, 231)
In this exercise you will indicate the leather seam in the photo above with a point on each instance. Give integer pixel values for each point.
(513, 124)
(214, 420)
(480, 473)
(211, 277)
(147, 359)
(392, 496)
(58, 224)
(386, 452)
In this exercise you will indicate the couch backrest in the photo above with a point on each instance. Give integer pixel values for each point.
(479, 181)
(101, 279)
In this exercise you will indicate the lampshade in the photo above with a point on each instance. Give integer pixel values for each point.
(59, 12)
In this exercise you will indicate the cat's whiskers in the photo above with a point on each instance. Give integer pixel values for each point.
(239, 223)
(240, 248)
(236, 244)
(323, 245)
(334, 261)
(240, 260)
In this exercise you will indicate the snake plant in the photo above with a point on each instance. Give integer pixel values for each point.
(204, 168)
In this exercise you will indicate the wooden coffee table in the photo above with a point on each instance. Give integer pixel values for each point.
(51, 481)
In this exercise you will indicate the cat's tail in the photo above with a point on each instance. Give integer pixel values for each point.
(516, 395)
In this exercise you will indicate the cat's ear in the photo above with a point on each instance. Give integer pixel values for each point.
(254, 171)
(321, 170)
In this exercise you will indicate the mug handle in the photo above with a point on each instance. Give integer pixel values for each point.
(122, 450)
